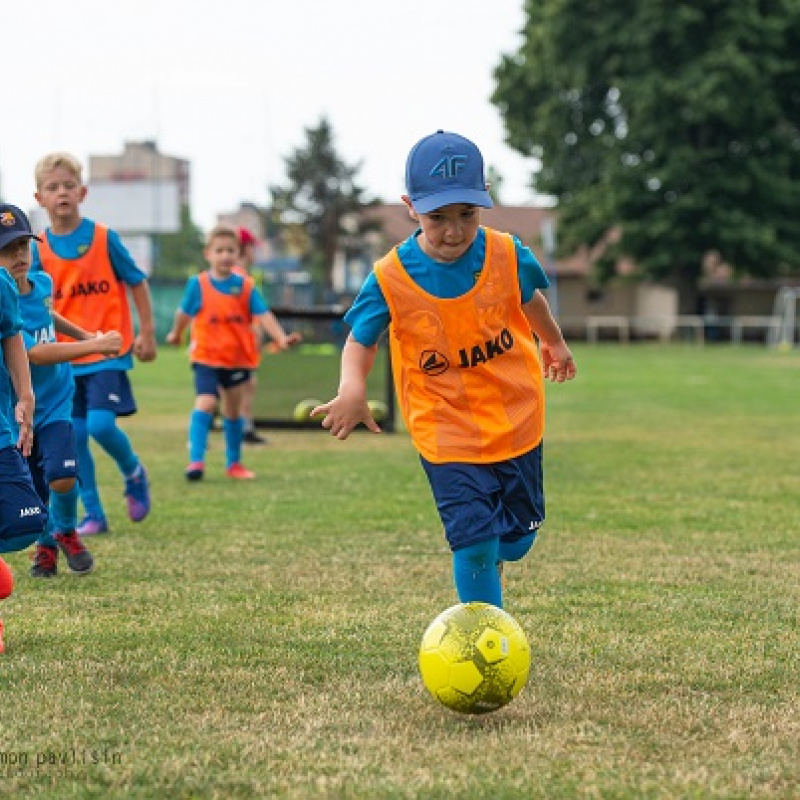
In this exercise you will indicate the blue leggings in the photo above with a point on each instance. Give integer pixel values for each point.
(475, 567)
(102, 427)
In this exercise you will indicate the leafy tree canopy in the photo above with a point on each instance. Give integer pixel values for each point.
(322, 194)
(676, 121)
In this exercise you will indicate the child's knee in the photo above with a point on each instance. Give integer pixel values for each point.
(477, 557)
(517, 548)
(62, 485)
(101, 424)
(6, 580)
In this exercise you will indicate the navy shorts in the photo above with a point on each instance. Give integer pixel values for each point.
(481, 501)
(23, 516)
(209, 380)
(107, 390)
(54, 456)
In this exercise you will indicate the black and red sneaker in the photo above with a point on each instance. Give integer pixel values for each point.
(79, 559)
(45, 561)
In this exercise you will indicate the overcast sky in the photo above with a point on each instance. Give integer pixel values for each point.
(231, 86)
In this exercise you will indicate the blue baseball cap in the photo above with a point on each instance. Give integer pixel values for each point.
(445, 168)
(14, 225)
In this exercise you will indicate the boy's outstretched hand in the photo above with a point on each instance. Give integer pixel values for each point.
(558, 364)
(343, 415)
(23, 415)
(108, 343)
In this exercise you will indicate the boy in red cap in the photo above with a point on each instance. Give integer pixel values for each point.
(222, 307)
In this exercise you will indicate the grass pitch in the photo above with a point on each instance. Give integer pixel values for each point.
(260, 640)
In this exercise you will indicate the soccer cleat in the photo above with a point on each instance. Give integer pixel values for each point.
(195, 471)
(240, 473)
(90, 526)
(79, 559)
(137, 494)
(253, 437)
(45, 561)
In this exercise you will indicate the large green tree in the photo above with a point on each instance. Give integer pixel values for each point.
(674, 122)
(323, 195)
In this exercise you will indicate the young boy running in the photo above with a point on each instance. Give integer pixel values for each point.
(92, 272)
(53, 460)
(222, 307)
(23, 517)
(464, 308)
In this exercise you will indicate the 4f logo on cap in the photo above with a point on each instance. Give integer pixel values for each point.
(449, 167)
(7, 219)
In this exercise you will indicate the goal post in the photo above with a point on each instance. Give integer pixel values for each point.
(310, 371)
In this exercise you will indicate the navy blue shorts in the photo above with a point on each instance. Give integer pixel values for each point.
(23, 516)
(107, 390)
(480, 501)
(209, 380)
(54, 456)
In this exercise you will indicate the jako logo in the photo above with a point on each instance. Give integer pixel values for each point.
(449, 167)
(33, 511)
(432, 362)
(480, 354)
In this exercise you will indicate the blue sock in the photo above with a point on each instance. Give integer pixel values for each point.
(234, 430)
(199, 426)
(90, 496)
(475, 573)
(46, 537)
(64, 509)
(514, 551)
(102, 427)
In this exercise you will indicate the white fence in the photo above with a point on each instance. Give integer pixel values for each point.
(698, 329)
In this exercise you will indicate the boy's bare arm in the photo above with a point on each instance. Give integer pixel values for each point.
(49, 353)
(557, 360)
(180, 323)
(16, 360)
(145, 344)
(349, 407)
(273, 328)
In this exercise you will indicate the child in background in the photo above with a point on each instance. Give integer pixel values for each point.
(53, 460)
(463, 304)
(23, 517)
(247, 257)
(222, 308)
(92, 272)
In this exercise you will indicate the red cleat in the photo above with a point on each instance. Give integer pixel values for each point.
(238, 472)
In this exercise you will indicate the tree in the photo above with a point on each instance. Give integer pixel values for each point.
(322, 194)
(180, 254)
(675, 122)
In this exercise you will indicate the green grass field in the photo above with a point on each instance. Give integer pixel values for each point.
(260, 640)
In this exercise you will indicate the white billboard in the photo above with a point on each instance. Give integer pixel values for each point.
(134, 206)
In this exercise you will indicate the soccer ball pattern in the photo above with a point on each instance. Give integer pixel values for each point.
(474, 658)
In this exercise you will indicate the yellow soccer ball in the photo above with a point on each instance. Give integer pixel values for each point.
(474, 658)
(302, 411)
(378, 409)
